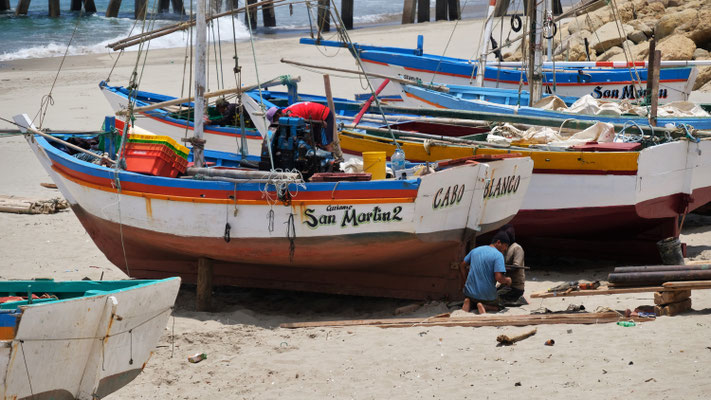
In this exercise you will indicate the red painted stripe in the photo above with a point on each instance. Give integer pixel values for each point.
(255, 195)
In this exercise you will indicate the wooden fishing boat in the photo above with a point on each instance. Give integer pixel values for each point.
(675, 84)
(418, 96)
(616, 199)
(395, 238)
(79, 339)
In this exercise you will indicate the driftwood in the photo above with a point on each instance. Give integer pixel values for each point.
(21, 205)
(505, 340)
(473, 321)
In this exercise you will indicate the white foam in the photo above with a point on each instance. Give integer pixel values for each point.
(173, 40)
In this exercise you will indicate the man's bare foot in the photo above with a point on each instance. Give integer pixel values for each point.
(481, 308)
(467, 305)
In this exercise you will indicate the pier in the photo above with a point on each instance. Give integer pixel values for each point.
(444, 10)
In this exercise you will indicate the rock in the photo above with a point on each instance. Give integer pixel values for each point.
(610, 53)
(653, 10)
(608, 36)
(676, 47)
(670, 22)
(706, 88)
(589, 22)
(701, 54)
(639, 52)
(700, 33)
(637, 36)
(703, 77)
(641, 26)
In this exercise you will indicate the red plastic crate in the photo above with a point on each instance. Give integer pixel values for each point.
(165, 159)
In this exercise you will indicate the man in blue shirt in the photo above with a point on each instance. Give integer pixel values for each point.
(486, 267)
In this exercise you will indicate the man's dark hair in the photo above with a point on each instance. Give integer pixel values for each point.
(501, 237)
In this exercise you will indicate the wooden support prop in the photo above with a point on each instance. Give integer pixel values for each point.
(207, 95)
(408, 11)
(337, 152)
(673, 309)
(650, 63)
(22, 7)
(662, 298)
(657, 268)
(268, 15)
(655, 87)
(89, 6)
(473, 321)
(75, 5)
(112, 9)
(506, 340)
(204, 285)
(54, 8)
(440, 10)
(22, 205)
(423, 10)
(347, 13)
(4, 5)
(178, 7)
(252, 16)
(324, 15)
(140, 9)
(606, 290)
(455, 11)
(682, 285)
(163, 6)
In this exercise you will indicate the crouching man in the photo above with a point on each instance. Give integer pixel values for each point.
(480, 270)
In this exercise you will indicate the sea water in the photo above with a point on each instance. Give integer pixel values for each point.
(37, 35)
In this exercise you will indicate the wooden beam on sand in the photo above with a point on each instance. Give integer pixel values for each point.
(473, 321)
(607, 290)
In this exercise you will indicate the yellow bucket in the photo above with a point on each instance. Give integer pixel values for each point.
(374, 163)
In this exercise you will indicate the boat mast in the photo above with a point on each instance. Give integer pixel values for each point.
(535, 62)
(484, 43)
(549, 48)
(200, 76)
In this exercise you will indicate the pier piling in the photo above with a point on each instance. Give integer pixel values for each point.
(324, 15)
(178, 7)
(423, 10)
(113, 8)
(408, 11)
(347, 13)
(89, 6)
(22, 7)
(216, 6)
(252, 15)
(268, 15)
(163, 6)
(440, 10)
(53, 8)
(455, 11)
(4, 5)
(140, 9)
(75, 5)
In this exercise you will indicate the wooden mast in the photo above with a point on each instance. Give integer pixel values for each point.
(534, 53)
(200, 76)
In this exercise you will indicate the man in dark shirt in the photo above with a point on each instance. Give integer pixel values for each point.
(228, 111)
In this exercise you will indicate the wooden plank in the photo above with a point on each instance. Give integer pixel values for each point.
(440, 10)
(423, 10)
(347, 13)
(408, 11)
(602, 290)
(473, 321)
(113, 8)
(204, 285)
(673, 309)
(681, 285)
(663, 298)
(268, 15)
(22, 205)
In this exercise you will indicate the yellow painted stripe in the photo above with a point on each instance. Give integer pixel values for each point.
(554, 160)
(7, 333)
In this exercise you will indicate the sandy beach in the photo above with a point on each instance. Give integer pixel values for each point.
(250, 357)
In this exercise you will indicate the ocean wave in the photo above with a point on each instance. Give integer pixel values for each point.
(223, 26)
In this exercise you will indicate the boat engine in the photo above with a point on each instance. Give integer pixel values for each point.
(293, 147)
